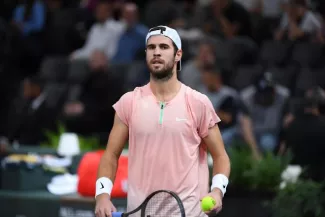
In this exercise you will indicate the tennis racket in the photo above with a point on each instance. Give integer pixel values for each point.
(161, 203)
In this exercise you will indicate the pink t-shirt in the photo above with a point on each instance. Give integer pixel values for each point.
(165, 149)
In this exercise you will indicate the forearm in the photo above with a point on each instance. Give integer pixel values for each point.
(108, 166)
(221, 173)
(250, 139)
(247, 130)
(221, 165)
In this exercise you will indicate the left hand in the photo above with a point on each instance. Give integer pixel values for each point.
(98, 60)
(217, 195)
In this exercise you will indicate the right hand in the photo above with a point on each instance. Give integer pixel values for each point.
(104, 206)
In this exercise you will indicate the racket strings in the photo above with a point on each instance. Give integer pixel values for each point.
(162, 205)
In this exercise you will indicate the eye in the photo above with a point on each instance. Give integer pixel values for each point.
(164, 46)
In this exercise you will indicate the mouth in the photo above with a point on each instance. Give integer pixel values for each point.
(157, 62)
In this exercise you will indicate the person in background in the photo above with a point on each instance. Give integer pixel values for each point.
(299, 23)
(29, 115)
(191, 73)
(232, 19)
(131, 44)
(224, 100)
(102, 39)
(29, 17)
(28, 22)
(263, 107)
(305, 135)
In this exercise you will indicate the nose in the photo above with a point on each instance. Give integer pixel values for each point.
(156, 52)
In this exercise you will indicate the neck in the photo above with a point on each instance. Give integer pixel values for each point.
(165, 90)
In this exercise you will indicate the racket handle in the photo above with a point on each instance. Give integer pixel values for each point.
(117, 214)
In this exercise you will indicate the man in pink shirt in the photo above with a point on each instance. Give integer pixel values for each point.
(170, 127)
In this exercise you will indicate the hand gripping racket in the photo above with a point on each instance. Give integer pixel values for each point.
(161, 203)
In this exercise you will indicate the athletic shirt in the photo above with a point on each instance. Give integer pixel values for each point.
(165, 145)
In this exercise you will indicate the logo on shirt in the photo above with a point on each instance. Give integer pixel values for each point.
(181, 119)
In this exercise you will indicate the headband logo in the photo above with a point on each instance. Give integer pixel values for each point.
(161, 28)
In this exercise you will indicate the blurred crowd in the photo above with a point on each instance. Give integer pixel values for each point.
(261, 63)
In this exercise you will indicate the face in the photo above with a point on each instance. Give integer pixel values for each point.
(103, 12)
(30, 90)
(206, 55)
(300, 10)
(161, 58)
(130, 14)
(27, 89)
(211, 80)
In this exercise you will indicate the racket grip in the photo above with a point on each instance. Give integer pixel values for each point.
(117, 214)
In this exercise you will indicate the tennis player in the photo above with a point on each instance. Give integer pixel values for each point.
(170, 127)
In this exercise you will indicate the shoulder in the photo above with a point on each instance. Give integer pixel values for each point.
(229, 91)
(142, 29)
(137, 92)
(248, 92)
(196, 98)
(282, 91)
(311, 15)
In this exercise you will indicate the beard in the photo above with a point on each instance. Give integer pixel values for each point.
(164, 73)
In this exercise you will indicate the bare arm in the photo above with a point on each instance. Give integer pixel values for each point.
(214, 142)
(247, 128)
(117, 139)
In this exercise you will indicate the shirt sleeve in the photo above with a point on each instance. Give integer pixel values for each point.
(37, 21)
(207, 117)
(123, 108)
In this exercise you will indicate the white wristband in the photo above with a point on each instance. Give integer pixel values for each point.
(220, 181)
(103, 185)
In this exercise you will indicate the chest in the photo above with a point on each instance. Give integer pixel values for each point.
(155, 118)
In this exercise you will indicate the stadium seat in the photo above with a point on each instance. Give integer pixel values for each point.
(54, 69)
(308, 78)
(245, 76)
(55, 94)
(274, 53)
(59, 28)
(284, 75)
(306, 54)
(231, 53)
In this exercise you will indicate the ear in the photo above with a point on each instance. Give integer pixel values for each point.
(178, 55)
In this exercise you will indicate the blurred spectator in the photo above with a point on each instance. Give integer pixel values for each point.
(228, 19)
(299, 23)
(224, 99)
(91, 6)
(102, 38)
(29, 114)
(131, 45)
(320, 35)
(305, 135)
(97, 51)
(92, 110)
(249, 5)
(268, 15)
(272, 9)
(264, 106)
(28, 20)
(191, 72)
(29, 17)
(161, 12)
